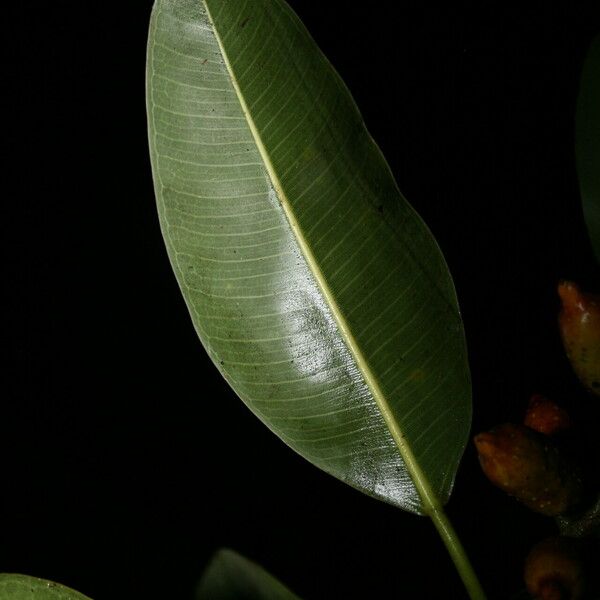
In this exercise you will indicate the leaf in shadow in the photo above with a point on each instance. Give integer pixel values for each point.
(230, 576)
(587, 142)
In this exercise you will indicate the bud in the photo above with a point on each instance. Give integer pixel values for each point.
(579, 324)
(526, 465)
(553, 570)
(546, 416)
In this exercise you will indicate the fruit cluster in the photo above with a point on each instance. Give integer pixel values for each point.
(527, 461)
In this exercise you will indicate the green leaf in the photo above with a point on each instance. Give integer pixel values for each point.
(230, 576)
(315, 288)
(587, 142)
(23, 587)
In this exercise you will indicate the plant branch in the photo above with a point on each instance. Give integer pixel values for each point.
(457, 553)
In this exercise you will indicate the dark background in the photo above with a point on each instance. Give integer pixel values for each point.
(125, 459)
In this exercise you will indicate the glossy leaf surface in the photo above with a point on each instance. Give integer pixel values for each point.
(230, 576)
(314, 286)
(23, 587)
(588, 142)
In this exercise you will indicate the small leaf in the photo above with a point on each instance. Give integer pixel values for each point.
(230, 576)
(587, 144)
(23, 587)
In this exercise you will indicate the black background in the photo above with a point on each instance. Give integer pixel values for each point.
(125, 459)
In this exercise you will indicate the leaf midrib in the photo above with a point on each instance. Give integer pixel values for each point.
(429, 499)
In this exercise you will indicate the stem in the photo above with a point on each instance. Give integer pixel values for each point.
(457, 553)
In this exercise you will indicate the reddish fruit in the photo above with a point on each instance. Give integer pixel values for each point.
(553, 570)
(579, 323)
(546, 416)
(527, 466)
